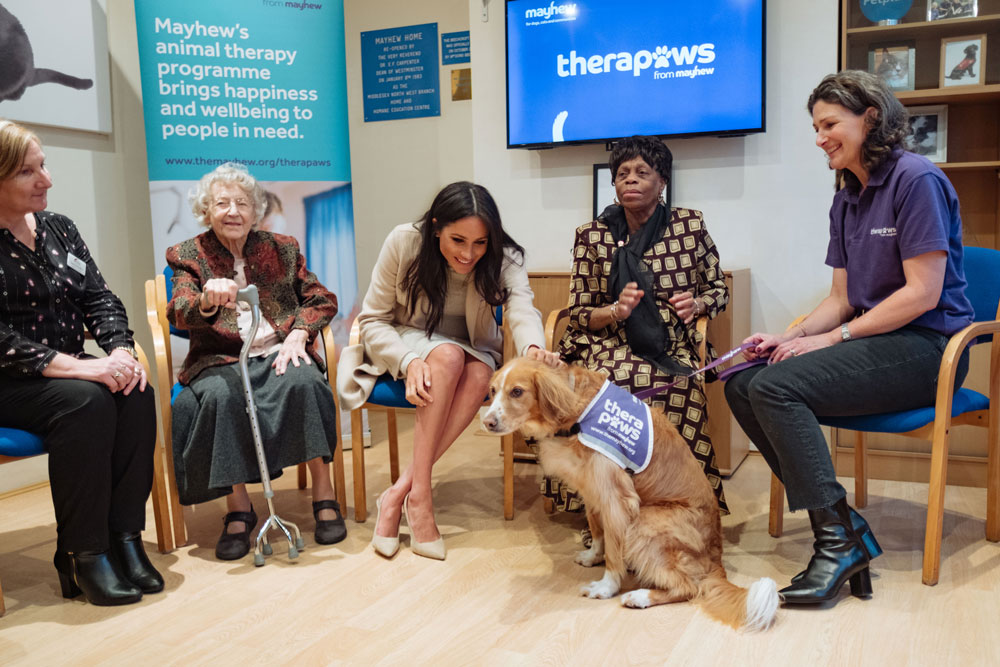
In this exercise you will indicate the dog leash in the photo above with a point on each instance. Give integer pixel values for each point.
(655, 391)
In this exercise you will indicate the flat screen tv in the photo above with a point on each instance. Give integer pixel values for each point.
(583, 71)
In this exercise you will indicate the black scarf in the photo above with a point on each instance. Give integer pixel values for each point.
(645, 330)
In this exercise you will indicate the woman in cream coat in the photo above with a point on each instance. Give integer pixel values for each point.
(428, 317)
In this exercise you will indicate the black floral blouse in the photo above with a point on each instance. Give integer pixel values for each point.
(48, 295)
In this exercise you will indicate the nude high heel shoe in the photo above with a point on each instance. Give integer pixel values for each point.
(384, 546)
(433, 549)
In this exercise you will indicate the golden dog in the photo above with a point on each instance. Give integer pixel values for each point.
(662, 524)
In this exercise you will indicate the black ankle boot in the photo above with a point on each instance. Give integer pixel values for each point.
(97, 576)
(863, 531)
(839, 555)
(128, 550)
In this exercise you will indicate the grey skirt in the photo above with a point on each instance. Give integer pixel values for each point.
(212, 442)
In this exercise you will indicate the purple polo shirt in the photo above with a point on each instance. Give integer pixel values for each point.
(909, 208)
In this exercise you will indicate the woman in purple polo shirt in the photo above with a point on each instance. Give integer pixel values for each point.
(875, 343)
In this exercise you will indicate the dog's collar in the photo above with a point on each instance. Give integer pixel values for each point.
(567, 433)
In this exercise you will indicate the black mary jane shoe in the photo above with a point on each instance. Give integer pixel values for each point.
(131, 556)
(234, 546)
(839, 556)
(97, 576)
(329, 531)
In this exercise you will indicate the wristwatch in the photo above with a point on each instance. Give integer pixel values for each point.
(127, 348)
(845, 333)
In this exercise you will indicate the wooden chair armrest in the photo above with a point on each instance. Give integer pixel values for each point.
(551, 325)
(949, 365)
(355, 336)
(701, 326)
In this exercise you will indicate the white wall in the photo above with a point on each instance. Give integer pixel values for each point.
(765, 197)
(398, 166)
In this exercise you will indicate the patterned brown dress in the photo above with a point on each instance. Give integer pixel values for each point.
(684, 260)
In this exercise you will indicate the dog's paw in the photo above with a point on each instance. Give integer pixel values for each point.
(589, 558)
(600, 590)
(637, 599)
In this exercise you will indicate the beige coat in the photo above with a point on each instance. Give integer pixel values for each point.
(385, 306)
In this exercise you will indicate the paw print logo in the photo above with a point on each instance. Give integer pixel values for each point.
(662, 57)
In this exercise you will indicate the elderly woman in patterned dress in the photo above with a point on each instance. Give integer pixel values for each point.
(642, 273)
(212, 443)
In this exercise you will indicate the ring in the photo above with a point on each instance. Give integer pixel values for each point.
(794, 353)
(116, 374)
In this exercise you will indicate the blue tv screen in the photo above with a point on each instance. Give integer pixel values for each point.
(597, 70)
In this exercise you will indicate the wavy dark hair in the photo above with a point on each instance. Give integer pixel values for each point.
(857, 92)
(428, 276)
(652, 150)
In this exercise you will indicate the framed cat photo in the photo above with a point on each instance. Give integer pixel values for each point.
(54, 64)
(938, 10)
(928, 132)
(894, 64)
(963, 60)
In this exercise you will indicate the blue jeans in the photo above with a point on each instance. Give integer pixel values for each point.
(778, 405)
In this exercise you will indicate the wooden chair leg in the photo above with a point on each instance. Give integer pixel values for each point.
(302, 476)
(776, 515)
(507, 442)
(993, 479)
(935, 507)
(358, 456)
(860, 470)
(339, 483)
(161, 506)
(3, 609)
(176, 509)
(390, 420)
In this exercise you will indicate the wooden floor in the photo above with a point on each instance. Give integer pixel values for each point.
(506, 595)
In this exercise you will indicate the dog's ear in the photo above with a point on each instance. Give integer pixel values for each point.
(555, 399)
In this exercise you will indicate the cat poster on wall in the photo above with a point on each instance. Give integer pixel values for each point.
(894, 64)
(928, 132)
(963, 60)
(54, 67)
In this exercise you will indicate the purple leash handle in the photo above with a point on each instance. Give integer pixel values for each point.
(656, 391)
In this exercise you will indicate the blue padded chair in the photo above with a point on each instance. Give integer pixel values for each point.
(388, 396)
(965, 407)
(158, 291)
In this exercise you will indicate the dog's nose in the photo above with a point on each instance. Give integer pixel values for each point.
(489, 422)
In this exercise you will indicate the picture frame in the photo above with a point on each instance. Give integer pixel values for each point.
(962, 61)
(938, 10)
(604, 189)
(894, 63)
(928, 132)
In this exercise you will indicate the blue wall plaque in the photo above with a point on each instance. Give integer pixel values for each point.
(399, 73)
(454, 47)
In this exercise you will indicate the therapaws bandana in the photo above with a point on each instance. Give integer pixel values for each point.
(619, 426)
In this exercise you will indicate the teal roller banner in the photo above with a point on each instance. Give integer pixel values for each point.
(262, 83)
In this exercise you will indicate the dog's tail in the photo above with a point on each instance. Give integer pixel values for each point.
(751, 608)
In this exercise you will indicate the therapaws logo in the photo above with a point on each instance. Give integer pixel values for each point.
(551, 14)
(663, 57)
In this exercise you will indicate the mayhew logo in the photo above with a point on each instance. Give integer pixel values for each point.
(553, 9)
(661, 57)
(884, 232)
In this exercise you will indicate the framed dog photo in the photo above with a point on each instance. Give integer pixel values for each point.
(894, 64)
(951, 9)
(928, 133)
(962, 61)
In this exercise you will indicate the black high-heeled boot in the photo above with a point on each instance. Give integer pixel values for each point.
(839, 555)
(97, 576)
(863, 531)
(131, 556)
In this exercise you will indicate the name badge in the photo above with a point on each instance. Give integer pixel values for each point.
(619, 426)
(76, 264)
